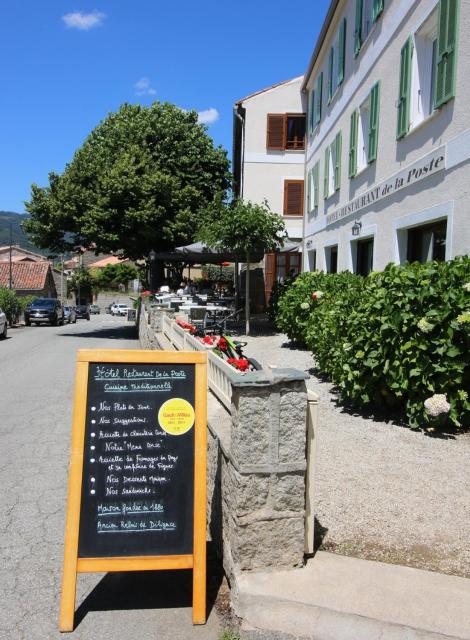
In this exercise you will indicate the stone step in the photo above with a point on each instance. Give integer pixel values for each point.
(340, 598)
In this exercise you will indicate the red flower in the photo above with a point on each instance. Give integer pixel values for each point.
(241, 364)
(222, 345)
(207, 340)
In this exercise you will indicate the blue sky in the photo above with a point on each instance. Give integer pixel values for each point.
(65, 65)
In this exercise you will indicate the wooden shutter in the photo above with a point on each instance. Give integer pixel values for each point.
(341, 51)
(316, 183)
(358, 28)
(269, 275)
(403, 122)
(293, 197)
(276, 132)
(353, 144)
(377, 9)
(326, 175)
(374, 111)
(330, 73)
(446, 51)
(318, 97)
(337, 161)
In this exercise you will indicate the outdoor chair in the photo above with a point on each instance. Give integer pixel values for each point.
(197, 316)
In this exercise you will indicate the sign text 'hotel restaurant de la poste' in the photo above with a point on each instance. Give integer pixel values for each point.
(430, 164)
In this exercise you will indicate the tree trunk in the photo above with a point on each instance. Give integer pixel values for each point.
(247, 295)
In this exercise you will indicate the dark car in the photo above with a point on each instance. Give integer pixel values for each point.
(44, 310)
(82, 311)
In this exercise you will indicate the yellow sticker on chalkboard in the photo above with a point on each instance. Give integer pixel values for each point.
(176, 416)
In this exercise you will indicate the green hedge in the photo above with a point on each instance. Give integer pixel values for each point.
(399, 338)
(12, 304)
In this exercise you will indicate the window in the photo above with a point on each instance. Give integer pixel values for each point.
(312, 260)
(293, 197)
(427, 242)
(313, 187)
(364, 133)
(427, 67)
(367, 12)
(315, 101)
(331, 255)
(277, 267)
(336, 61)
(365, 256)
(423, 65)
(285, 131)
(332, 174)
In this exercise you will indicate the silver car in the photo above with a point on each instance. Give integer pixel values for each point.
(69, 315)
(3, 325)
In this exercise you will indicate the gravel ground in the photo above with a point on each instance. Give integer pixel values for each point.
(383, 492)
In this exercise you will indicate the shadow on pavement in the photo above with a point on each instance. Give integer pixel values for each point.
(149, 590)
(113, 333)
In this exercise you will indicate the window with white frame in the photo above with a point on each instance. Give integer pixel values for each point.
(423, 65)
(363, 135)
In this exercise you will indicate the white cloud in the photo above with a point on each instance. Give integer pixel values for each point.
(144, 88)
(208, 116)
(83, 21)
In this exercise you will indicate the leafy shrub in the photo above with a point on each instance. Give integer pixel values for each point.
(214, 273)
(399, 338)
(12, 304)
(298, 306)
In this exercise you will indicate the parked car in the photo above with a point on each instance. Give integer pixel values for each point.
(3, 325)
(70, 315)
(119, 309)
(47, 310)
(83, 311)
(94, 309)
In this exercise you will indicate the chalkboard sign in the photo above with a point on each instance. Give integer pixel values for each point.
(137, 474)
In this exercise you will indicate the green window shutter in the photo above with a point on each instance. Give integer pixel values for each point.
(358, 28)
(309, 190)
(330, 73)
(318, 97)
(311, 101)
(374, 111)
(446, 51)
(341, 51)
(337, 161)
(316, 183)
(353, 144)
(377, 9)
(403, 122)
(326, 177)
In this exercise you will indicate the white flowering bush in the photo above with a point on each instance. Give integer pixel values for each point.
(400, 338)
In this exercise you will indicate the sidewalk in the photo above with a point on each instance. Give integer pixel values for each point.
(340, 598)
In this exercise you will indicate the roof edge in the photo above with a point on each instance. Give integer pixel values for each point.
(320, 40)
(266, 89)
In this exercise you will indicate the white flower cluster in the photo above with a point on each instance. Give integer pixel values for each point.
(424, 325)
(437, 404)
(318, 294)
(305, 306)
(466, 286)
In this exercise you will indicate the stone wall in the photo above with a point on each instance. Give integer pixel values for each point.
(256, 466)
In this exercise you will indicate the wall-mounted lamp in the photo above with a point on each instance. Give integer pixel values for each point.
(309, 244)
(356, 228)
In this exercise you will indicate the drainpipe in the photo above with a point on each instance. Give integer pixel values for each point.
(240, 192)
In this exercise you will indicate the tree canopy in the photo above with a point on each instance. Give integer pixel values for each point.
(140, 181)
(242, 228)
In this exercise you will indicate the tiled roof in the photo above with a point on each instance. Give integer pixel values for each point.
(105, 261)
(18, 253)
(25, 275)
(273, 86)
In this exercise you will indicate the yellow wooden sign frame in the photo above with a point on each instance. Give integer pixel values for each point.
(197, 560)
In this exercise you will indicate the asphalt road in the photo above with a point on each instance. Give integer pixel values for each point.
(37, 368)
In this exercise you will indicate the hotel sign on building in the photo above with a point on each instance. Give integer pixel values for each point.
(387, 154)
(430, 164)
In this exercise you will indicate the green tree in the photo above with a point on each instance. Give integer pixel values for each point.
(82, 284)
(140, 181)
(242, 228)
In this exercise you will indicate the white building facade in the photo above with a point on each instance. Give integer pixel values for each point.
(269, 162)
(387, 161)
